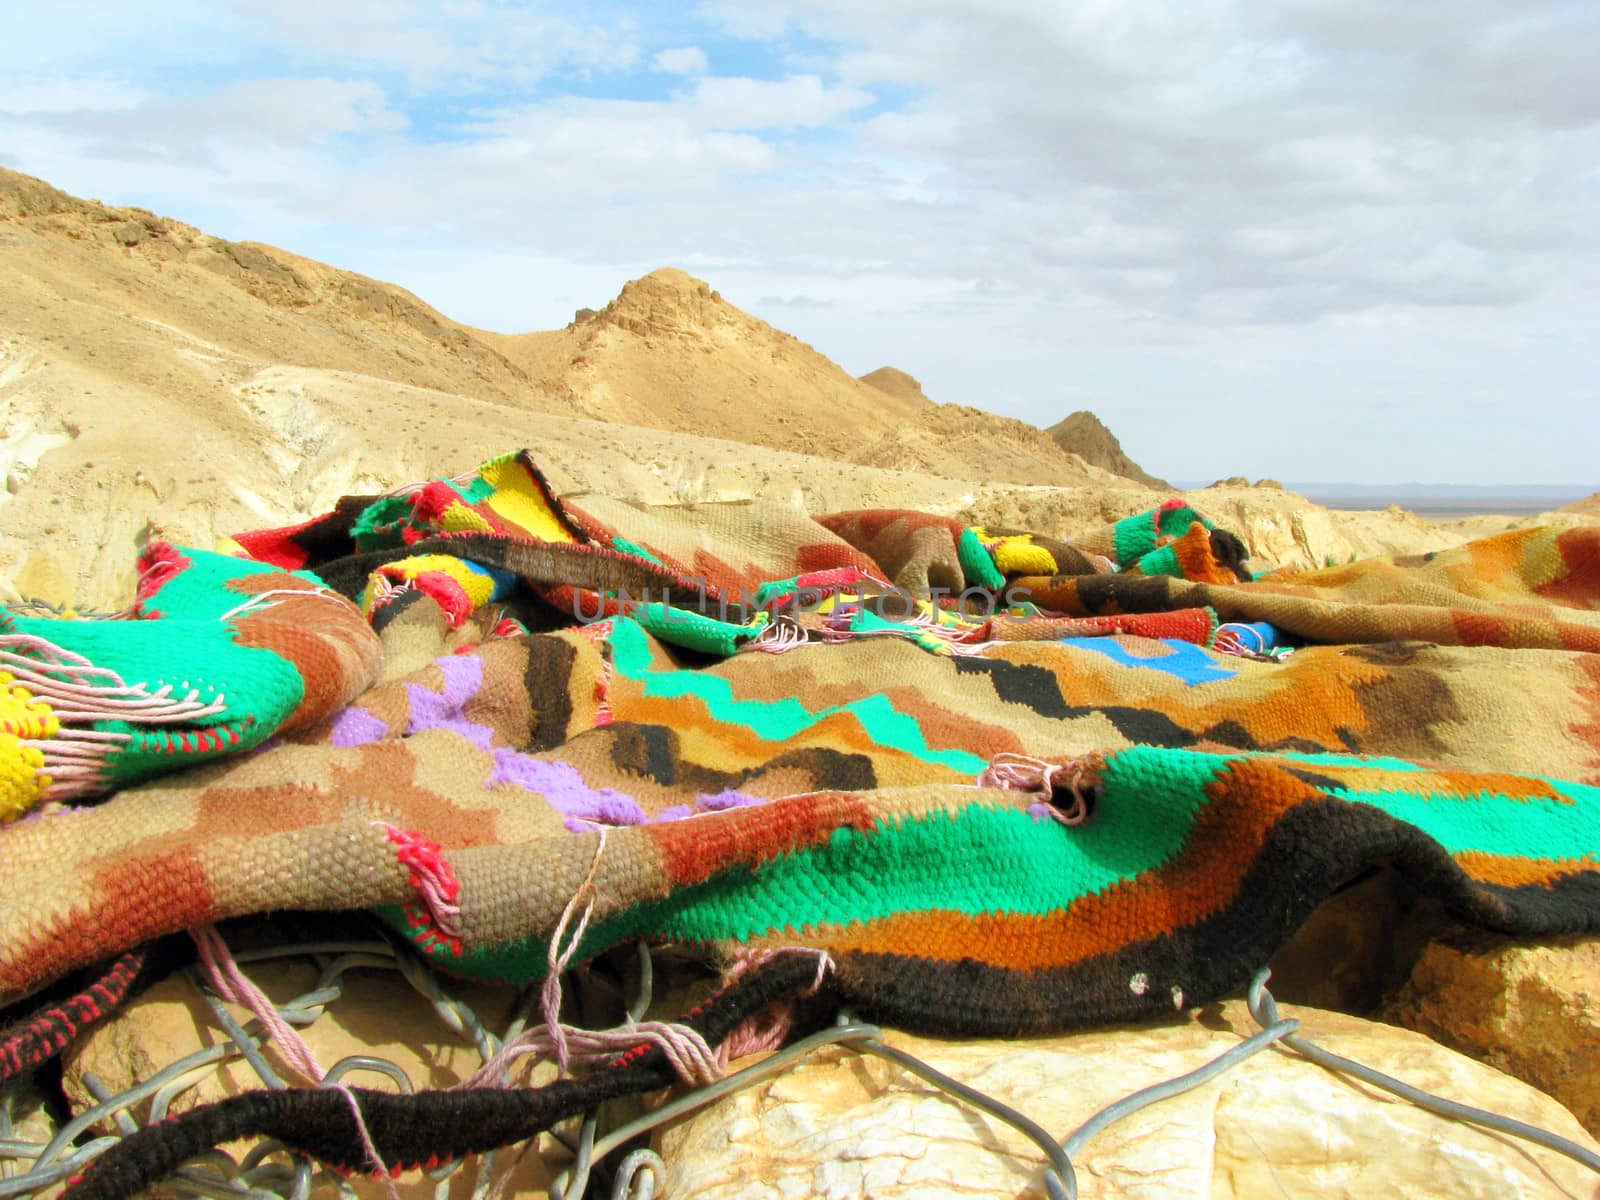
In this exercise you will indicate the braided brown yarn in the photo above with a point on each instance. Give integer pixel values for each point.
(422, 1129)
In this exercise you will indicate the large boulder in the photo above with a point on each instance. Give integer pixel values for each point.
(1530, 1010)
(842, 1125)
(1359, 945)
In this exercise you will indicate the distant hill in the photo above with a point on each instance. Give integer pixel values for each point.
(967, 443)
(896, 383)
(151, 270)
(1085, 435)
(671, 353)
(1589, 505)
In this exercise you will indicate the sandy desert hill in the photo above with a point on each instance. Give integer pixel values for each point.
(1085, 435)
(1588, 506)
(157, 381)
(958, 442)
(896, 382)
(670, 353)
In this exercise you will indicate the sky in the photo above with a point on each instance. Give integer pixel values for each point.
(1307, 239)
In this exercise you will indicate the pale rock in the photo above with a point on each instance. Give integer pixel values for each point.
(843, 1125)
(1533, 1011)
(23, 1118)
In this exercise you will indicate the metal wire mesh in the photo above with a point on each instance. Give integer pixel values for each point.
(269, 1171)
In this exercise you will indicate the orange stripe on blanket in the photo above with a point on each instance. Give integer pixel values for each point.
(1512, 871)
(1246, 802)
(128, 904)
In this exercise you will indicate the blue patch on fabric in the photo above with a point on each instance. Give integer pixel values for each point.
(1255, 636)
(1186, 661)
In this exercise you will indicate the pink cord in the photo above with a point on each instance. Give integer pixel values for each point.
(260, 598)
(1040, 777)
(552, 1036)
(770, 1029)
(76, 689)
(781, 636)
(431, 875)
(1230, 639)
(746, 959)
(557, 958)
(957, 639)
(686, 1049)
(755, 1034)
(233, 984)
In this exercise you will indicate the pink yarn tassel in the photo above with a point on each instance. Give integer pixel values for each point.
(233, 984)
(767, 1030)
(436, 884)
(1045, 779)
(781, 636)
(76, 689)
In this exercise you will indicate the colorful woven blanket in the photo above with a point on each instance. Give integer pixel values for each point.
(1005, 783)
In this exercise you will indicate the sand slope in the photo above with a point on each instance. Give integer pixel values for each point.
(670, 353)
(962, 443)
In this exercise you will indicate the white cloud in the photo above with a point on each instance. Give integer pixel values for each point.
(1219, 222)
(69, 95)
(604, 148)
(681, 60)
(256, 113)
(803, 101)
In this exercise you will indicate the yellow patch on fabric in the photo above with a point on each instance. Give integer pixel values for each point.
(1543, 562)
(1018, 556)
(22, 714)
(22, 719)
(458, 518)
(1015, 554)
(516, 498)
(478, 586)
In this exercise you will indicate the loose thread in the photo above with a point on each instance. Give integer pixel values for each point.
(259, 600)
(764, 1031)
(233, 984)
(781, 636)
(1234, 638)
(436, 885)
(76, 689)
(1040, 777)
(955, 639)
(686, 1050)
(557, 958)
